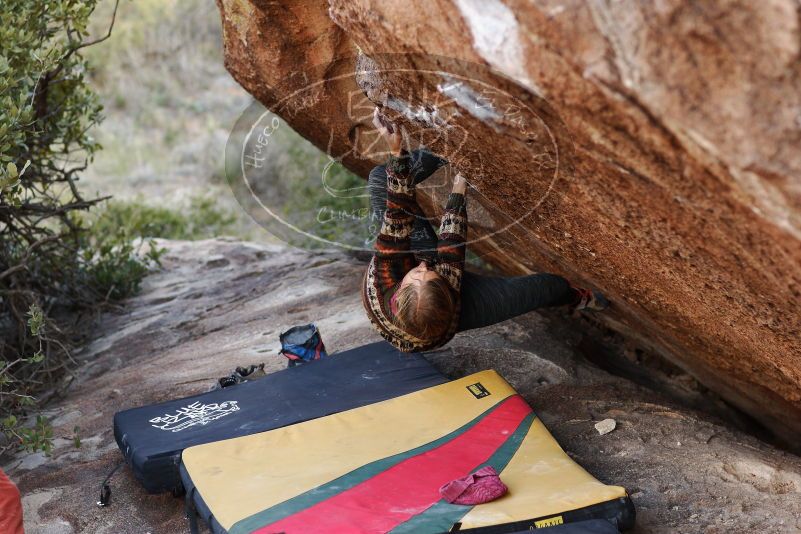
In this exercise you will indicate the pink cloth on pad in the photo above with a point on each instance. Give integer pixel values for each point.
(482, 486)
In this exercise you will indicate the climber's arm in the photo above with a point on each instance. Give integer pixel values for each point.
(396, 228)
(453, 235)
(393, 256)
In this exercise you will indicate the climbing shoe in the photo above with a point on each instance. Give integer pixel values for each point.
(590, 300)
(241, 374)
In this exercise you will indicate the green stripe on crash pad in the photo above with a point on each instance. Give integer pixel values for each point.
(442, 516)
(345, 482)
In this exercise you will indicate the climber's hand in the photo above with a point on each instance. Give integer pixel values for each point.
(459, 184)
(388, 131)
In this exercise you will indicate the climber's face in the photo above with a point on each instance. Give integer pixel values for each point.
(418, 276)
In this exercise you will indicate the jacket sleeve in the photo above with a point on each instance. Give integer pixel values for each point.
(452, 237)
(393, 256)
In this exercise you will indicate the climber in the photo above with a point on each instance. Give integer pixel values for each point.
(416, 292)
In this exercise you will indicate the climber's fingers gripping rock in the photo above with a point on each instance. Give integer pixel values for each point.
(389, 131)
(459, 184)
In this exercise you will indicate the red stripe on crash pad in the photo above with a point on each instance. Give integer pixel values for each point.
(410, 487)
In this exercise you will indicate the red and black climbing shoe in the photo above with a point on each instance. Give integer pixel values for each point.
(591, 300)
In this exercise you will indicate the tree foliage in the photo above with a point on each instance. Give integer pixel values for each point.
(50, 272)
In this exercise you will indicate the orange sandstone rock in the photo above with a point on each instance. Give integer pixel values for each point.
(652, 150)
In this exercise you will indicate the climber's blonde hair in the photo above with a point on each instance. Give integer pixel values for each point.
(425, 310)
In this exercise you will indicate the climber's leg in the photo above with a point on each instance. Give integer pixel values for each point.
(487, 300)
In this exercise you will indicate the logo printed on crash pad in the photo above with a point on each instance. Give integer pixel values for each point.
(550, 522)
(194, 414)
(478, 390)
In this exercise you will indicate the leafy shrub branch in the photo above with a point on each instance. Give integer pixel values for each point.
(51, 272)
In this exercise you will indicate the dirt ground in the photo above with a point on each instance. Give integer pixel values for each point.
(218, 304)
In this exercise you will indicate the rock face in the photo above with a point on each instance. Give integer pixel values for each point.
(650, 149)
(219, 304)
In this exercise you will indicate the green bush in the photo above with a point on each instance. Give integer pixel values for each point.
(50, 271)
(202, 219)
(115, 265)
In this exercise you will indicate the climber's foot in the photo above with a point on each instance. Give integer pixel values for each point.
(591, 300)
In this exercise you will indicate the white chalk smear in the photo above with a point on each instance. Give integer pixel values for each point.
(469, 99)
(496, 37)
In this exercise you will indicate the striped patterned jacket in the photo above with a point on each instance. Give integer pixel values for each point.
(393, 257)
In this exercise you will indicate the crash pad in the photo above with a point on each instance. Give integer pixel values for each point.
(378, 468)
(152, 437)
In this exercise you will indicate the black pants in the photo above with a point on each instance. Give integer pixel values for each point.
(486, 300)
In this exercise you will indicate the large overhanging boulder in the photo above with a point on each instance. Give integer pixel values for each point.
(652, 150)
